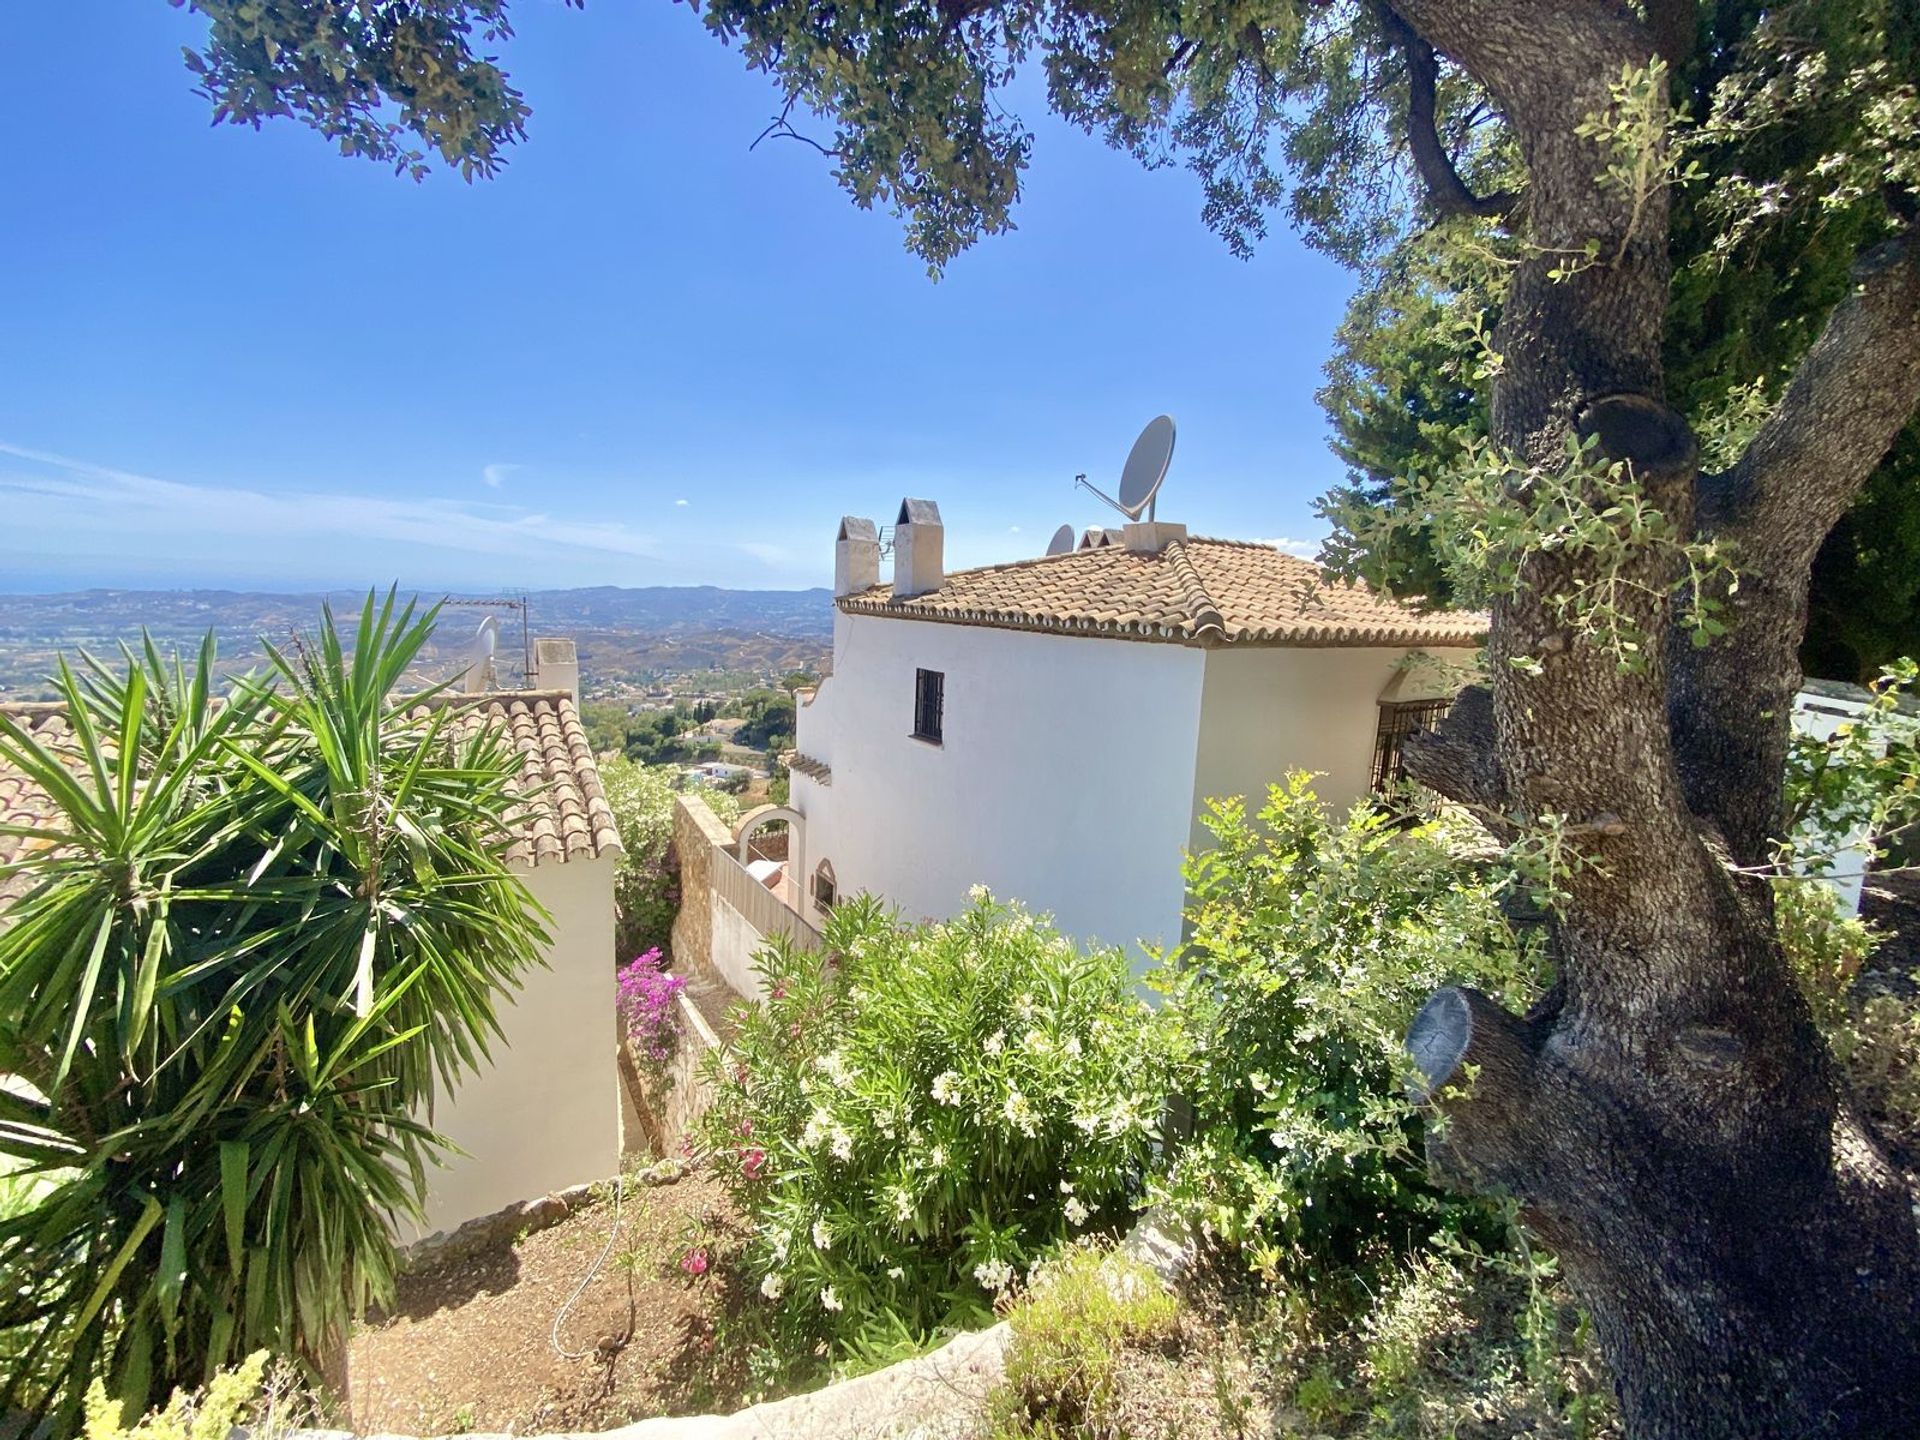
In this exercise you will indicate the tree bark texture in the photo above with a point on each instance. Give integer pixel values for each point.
(1671, 1121)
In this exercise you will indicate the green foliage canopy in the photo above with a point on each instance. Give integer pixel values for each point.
(1313, 939)
(647, 884)
(1791, 118)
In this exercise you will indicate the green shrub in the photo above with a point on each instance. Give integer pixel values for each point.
(1069, 1331)
(1876, 1038)
(1313, 939)
(916, 1114)
(262, 933)
(647, 883)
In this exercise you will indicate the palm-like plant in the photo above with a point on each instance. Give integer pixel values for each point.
(261, 930)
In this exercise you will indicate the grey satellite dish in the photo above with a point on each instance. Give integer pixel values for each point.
(480, 656)
(1146, 468)
(1062, 541)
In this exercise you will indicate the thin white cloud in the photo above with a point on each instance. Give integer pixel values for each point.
(1013, 529)
(679, 502)
(1305, 549)
(495, 473)
(766, 554)
(78, 492)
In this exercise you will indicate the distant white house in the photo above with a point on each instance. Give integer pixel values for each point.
(1052, 728)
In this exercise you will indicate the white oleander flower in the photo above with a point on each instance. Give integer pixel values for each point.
(1072, 1047)
(1076, 1211)
(977, 893)
(995, 1042)
(939, 1157)
(894, 1272)
(1020, 1114)
(1036, 1041)
(822, 1235)
(773, 1286)
(993, 1275)
(946, 1088)
(829, 1300)
(1023, 1007)
(818, 1125)
(842, 1143)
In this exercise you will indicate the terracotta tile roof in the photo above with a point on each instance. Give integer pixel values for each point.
(21, 801)
(1194, 592)
(564, 812)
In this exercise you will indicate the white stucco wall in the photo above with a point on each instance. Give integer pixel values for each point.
(1065, 777)
(545, 1113)
(1265, 711)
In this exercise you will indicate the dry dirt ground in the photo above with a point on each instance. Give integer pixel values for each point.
(466, 1346)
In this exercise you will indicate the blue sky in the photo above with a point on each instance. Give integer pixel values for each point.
(642, 355)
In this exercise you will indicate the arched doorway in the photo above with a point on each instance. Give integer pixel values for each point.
(790, 881)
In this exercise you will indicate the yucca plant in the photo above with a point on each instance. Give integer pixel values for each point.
(261, 930)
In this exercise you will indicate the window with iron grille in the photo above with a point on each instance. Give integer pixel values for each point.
(1399, 719)
(929, 700)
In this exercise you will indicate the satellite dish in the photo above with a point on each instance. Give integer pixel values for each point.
(1146, 468)
(480, 657)
(1062, 541)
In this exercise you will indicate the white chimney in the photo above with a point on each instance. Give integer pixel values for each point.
(556, 666)
(856, 556)
(919, 545)
(1150, 537)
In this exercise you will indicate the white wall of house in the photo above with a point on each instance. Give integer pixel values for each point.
(1270, 709)
(1045, 735)
(545, 1113)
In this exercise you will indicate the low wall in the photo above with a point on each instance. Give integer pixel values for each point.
(725, 914)
(672, 1101)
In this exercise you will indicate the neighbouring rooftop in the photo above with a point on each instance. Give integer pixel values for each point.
(562, 812)
(1191, 592)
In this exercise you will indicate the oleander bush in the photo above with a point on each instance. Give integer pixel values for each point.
(917, 1113)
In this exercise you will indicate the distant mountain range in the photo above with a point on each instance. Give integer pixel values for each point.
(626, 636)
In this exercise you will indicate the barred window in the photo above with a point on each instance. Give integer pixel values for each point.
(929, 701)
(1399, 719)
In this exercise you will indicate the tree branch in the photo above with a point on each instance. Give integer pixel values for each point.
(1855, 390)
(1731, 703)
(1458, 758)
(1446, 191)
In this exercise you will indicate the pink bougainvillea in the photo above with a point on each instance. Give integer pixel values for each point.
(646, 1000)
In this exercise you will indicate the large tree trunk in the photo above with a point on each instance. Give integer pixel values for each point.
(1671, 1122)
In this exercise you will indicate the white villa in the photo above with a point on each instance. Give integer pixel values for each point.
(1052, 728)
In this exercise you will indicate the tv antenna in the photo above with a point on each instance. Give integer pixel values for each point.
(1062, 541)
(1146, 468)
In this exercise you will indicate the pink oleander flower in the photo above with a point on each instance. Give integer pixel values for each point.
(694, 1262)
(752, 1163)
